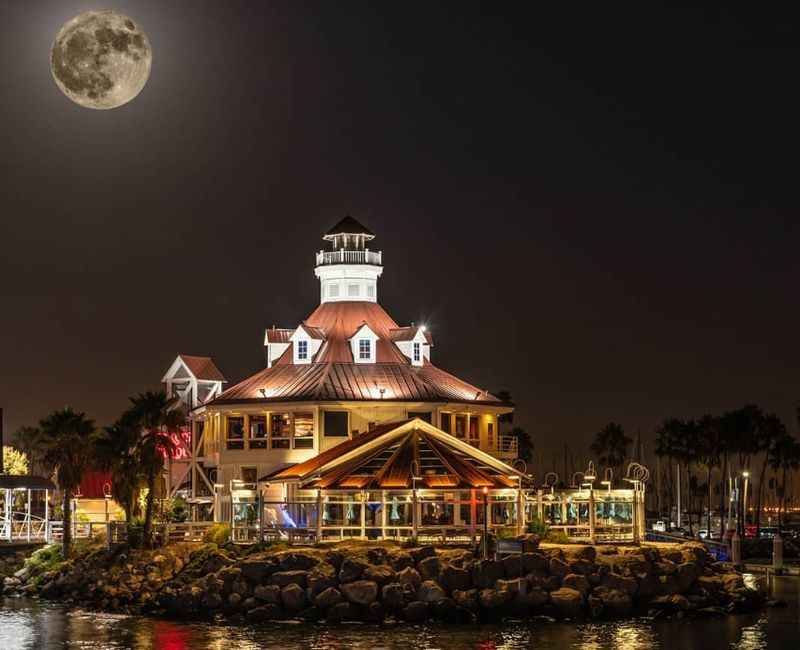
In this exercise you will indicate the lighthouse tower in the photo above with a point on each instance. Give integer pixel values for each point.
(349, 271)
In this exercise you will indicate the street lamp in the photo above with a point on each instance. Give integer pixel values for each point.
(746, 475)
(485, 522)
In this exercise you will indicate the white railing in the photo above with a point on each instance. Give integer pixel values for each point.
(349, 257)
(507, 445)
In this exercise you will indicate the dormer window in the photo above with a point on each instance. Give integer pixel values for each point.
(417, 352)
(302, 350)
(364, 349)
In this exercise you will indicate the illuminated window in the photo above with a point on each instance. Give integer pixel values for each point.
(444, 422)
(235, 431)
(364, 349)
(490, 434)
(353, 290)
(249, 474)
(258, 432)
(302, 350)
(280, 430)
(417, 352)
(303, 430)
(461, 426)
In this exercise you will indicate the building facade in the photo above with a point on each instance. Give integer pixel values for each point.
(346, 369)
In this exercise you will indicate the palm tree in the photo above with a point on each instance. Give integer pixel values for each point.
(155, 414)
(709, 447)
(668, 444)
(784, 455)
(28, 442)
(67, 445)
(770, 430)
(117, 454)
(611, 446)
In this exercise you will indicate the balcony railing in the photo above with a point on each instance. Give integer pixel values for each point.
(349, 257)
(507, 445)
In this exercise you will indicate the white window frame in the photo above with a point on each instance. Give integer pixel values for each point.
(353, 290)
(302, 350)
(333, 291)
(416, 352)
(369, 351)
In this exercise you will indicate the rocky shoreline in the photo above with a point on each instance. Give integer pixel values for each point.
(381, 582)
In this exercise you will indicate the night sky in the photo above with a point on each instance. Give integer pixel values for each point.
(596, 211)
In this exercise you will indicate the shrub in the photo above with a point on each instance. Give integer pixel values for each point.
(218, 534)
(556, 537)
(136, 533)
(175, 510)
(45, 559)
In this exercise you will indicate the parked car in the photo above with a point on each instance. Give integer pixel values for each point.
(702, 533)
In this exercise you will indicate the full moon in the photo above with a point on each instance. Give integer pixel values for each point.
(101, 59)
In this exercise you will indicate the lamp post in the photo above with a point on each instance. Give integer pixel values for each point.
(485, 523)
(746, 475)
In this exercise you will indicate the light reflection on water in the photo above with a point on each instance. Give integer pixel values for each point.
(30, 624)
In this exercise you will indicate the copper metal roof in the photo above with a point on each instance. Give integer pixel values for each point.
(202, 367)
(385, 458)
(408, 334)
(276, 335)
(333, 375)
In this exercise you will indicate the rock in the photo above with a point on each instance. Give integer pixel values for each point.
(534, 598)
(375, 612)
(513, 566)
(293, 597)
(665, 568)
(467, 599)
(297, 562)
(620, 583)
(328, 598)
(234, 600)
(409, 576)
(667, 585)
(351, 570)
(616, 603)
(268, 594)
(254, 571)
(335, 558)
(341, 612)
(249, 603)
(492, 599)
(392, 595)
(558, 567)
(377, 556)
(486, 572)
(23, 574)
(445, 609)
(428, 567)
(321, 577)
(530, 542)
(580, 566)
(312, 614)
(423, 552)
(283, 578)
(453, 578)
(212, 601)
(264, 613)
(687, 573)
(546, 582)
(430, 592)
(732, 581)
(360, 592)
(649, 586)
(712, 584)
(695, 552)
(382, 574)
(576, 582)
(415, 612)
(673, 555)
(534, 562)
(400, 560)
(567, 602)
(575, 552)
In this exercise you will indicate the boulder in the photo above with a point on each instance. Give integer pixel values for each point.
(249, 603)
(268, 594)
(234, 600)
(513, 566)
(577, 582)
(375, 612)
(581, 566)
(453, 578)
(382, 574)
(409, 576)
(492, 599)
(546, 582)
(467, 599)
(430, 592)
(297, 562)
(534, 598)
(612, 581)
(615, 603)
(665, 568)
(283, 578)
(558, 567)
(328, 598)
(567, 602)
(321, 577)
(415, 612)
(254, 570)
(312, 613)
(534, 562)
(342, 612)
(428, 567)
(360, 592)
(687, 572)
(445, 609)
(673, 555)
(400, 560)
(377, 555)
(264, 613)
(293, 597)
(712, 584)
(422, 552)
(392, 595)
(578, 552)
(530, 542)
(351, 569)
(486, 572)
(335, 558)
(667, 585)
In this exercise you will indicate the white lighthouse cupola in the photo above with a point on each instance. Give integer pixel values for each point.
(349, 270)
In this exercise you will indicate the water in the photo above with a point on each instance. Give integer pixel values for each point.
(31, 624)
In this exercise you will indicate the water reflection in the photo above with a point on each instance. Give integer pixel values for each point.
(30, 624)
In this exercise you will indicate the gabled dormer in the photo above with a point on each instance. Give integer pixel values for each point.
(276, 340)
(193, 380)
(306, 342)
(415, 342)
(363, 344)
